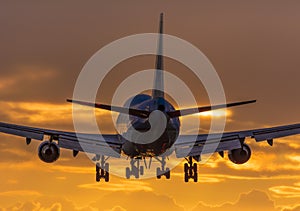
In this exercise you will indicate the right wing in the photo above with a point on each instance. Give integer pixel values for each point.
(195, 145)
(108, 144)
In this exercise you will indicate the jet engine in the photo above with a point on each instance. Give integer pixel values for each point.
(49, 151)
(241, 155)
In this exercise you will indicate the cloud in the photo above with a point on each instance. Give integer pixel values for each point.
(116, 201)
(284, 191)
(254, 200)
(132, 201)
(54, 115)
(124, 186)
(72, 169)
(117, 208)
(20, 193)
(295, 208)
(22, 81)
(48, 203)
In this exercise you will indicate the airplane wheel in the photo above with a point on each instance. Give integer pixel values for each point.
(127, 173)
(195, 168)
(186, 168)
(136, 175)
(102, 172)
(158, 173)
(186, 177)
(196, 177)
(106, 167)
(142, 170)
(168, 173)
(97, 178)
(136, 172)
(106, 177)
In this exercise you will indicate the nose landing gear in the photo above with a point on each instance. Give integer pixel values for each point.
(136, 170)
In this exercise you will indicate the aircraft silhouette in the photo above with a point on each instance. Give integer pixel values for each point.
(155, 114)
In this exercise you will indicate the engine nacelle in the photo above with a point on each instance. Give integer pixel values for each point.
(240, 156)
(49, 151)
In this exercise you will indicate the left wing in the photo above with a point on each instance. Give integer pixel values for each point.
(195, 145)
(91, 143)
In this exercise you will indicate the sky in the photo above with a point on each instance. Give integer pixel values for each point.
(254, 47)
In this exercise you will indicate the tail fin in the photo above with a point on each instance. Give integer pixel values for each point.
(158, 86)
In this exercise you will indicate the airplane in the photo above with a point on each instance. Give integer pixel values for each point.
(141, 109)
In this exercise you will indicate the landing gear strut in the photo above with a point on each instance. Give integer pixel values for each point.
(102, 168)
(163, 171)
(190, 170)
(136, 170)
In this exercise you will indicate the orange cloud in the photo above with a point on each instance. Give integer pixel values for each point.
(294, 208)
(286, 191)
(48, 203)
(116, 208)
(29, 73)
(53, 115)
(72, 169)
(126, 186)
(254, 200)
(20, 193)
(134, 200)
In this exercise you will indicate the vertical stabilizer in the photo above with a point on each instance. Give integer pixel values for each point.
(158, 88)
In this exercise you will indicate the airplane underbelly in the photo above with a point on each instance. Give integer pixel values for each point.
(156, 148)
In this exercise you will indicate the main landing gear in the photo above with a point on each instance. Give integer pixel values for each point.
(102, 168)
(190, 170)
(162, 171)
(136, 170)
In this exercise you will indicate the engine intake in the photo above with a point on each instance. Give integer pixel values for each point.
(49, 151)
(241, 155)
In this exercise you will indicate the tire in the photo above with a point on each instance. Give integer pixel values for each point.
(196, 177)
(97, 168)
(106, 177)
(186, 168)
(141, 170)
(127, 172)
(195, 168)
(186, 177)
(98, 178)
(106, 167)
(158, 173)
(136, 175)
(168, 173)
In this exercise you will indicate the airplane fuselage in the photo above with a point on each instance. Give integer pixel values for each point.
(162, 143)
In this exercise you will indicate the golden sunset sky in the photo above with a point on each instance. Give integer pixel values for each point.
(253, 45)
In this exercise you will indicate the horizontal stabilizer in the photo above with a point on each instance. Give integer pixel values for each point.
(130, 111)
(189, 111)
